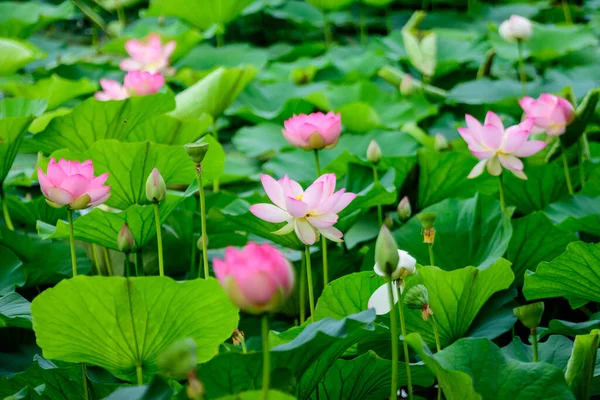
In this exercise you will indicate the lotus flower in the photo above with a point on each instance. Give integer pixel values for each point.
(497, 147)
(112, 90)
(550, 114)
(149, 55)
(72, 184)
(310, 213)
(516, 28)
(257, 278)
(379, 300)
(137, 83)
(314, 131)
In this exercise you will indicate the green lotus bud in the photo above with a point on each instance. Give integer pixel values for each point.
(404, 209)
(441, 143)
(156, 189)
(196, 151)
(388, 221)
(125, 239)
(427, 219)
(416, 297)
(530, 315)
(374, 153)
(179, 359)
(407, 85)
(386, 252)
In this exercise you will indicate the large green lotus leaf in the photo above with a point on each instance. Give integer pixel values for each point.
(545, 184)
(326, 5)
(259, 140)
(468, 232)
(120, 323)
(355, 66)
(258, 395)
(302, 358)
(158, 389)
(443, 175)
(16, 54)
(200, 13)
(130, 164)
(28, 212)
(55, 89)
(94, 120)
(22, 19)
(569, 328)
(496, 317)
(12, 273)
(501, 92)
(535, 239)
(476, 369)
(578, 213)
(573, 275)
(102, 227)
(214, 93)
(366, 377)
(172, 131)
(15, 117)
(206, 57)
(582, 364)
(15, 311)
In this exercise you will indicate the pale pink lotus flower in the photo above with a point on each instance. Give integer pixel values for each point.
(136, 83)
(516, 28)
(309, 213)
(315, 131)
(257, 278)
(148, 55)
(497, 147)
(72, 184)
(112, 90)
(380, 299)
(550, 114)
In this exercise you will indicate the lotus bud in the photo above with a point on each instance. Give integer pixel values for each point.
(427, 221)
(156, 189)
(386, 252)
(199, 243)
(417, 298)
(196, 151)
(530, 315)
(374, 153)
(516, 28)
(179, 359)
(441, 143)
(407, 85)
(388, 221)
(125, 239)
(404, 209)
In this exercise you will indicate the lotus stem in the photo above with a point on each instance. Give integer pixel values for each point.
(327, 31)
(583, 155)
(85, 384)
(215, 133)
(431, 260)
(7, 219)
(363, 25)
(522, 74)
(311, 294)
(203, 221)
(302, 293)
(139, 263)
(534, 342)
(394, 332)
(501, 193)
(403, 330)
(161, 265)
(71, 241)
(379, 208)
(140, 374)
(567, 11)
(439, 348)
(96, 259)
(266, 356)
(107, 261)
(323, 238)
(566, 168)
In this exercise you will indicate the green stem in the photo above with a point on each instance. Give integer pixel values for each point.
(121, 14)
(522, 74)
(311, 294)
(327, 31)
(72, 241)
(161, 265)
(243, 343)
(7, 219)
(317, 162)
(534, 342)
(431, 260)
(126, 265)
(85, 383)
(388, 20)
(363, 25)
(501, 192)
(140, 375)
(302, 293)
(394, 331)
(439, 348)
(220, 39)
(215, 133)
(107, 261)
(96, 259)
(567, 12)
(583, 146)
(566, 168)
(403, 330)
(193, 257)
(323, 238)
(203, 221)
(139, 263)
(379, 208)
(266, 356)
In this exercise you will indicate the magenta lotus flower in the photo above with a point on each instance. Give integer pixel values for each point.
(136, 83)
(112, 90)
(314, 131)
(550, 114)
(72, 184)
(497, 147)
(149, 55)
(309, 213)
(257, 278)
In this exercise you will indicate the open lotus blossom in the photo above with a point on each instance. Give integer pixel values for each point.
(136, 83)
(310, 212)
(314, 131)
(516, 28)
(257, 278)
(149, 55)
(497, 147)
(379, 300)
(550, 114)
(72, 184)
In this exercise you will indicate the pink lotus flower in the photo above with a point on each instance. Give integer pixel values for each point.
(497, 147)
(550, 114)
(112, 90)
(314, 131)
(136, 83)
(257, 279)
(72, 184)
(309, 213)
(516, 28)
(149, 55)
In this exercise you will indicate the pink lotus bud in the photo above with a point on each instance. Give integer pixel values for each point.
(407, 85)
(257, 278)
(149, 55)
(314, 131)
(72, 184)
(143, 83)
(156, 189)
(550, 114)
(440, 143)
(125, 239)
(404, 209)
(516, 28)
(111, 90)
(374, 152)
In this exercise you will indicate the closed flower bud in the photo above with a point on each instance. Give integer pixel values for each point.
(407, 86)
(516, 28)
(387, 257)
(417, 298)
(388, 221)
(441, 143)
(196, 151)
(179, 359)
(374, 153)
(404, 209)
(530, 315)
(156, 189)
(125, 239)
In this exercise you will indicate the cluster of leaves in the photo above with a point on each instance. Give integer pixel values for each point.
(271, 63)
